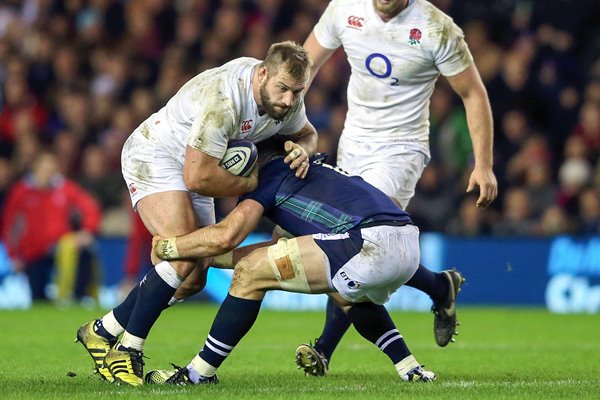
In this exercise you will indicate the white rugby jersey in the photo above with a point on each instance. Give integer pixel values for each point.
(394, 65)
(214, 107)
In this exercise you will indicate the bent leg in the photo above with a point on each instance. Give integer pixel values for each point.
(336, 325)
(296, 265)
(166, 214)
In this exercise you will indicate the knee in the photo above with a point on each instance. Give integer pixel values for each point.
(245, 282)
(241, 274)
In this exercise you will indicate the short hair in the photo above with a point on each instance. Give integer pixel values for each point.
(287, 55)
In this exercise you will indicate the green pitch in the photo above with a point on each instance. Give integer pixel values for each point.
(499, 354)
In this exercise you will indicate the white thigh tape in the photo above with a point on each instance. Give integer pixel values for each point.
(287, 265)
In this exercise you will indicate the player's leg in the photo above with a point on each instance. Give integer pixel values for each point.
(165, 214)
(389, 257)
(373, 322)
(295, 265)
(394, 170)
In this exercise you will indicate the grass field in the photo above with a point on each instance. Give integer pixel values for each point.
(500, 354)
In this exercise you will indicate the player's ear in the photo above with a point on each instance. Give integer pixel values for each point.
(262, 74)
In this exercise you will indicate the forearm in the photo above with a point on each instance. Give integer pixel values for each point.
(212, 240)
(221, 183)
(479, 121)
(307, 138)
(197, 244)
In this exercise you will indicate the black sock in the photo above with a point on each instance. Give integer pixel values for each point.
(122, 312)
(336, 325)
(234, 319)
(374, 324)
(432, 283)
(153, 296)
(101, 330)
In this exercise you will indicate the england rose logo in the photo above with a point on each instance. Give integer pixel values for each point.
(414, 37)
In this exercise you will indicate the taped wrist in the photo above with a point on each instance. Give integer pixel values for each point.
(167, 249)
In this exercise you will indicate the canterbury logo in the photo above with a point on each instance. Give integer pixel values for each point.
(355, 22)
(246, 125)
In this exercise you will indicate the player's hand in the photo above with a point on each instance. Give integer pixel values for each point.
(488, 186)
(297, 158)
(154, 254)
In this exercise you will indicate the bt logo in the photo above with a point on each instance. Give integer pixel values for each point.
(351, 284)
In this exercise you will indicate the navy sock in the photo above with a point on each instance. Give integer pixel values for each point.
(100, 330)
(432, 283)
(234, 319)
(122, 312)
(336, 325)
(153, 296)
(374, 324)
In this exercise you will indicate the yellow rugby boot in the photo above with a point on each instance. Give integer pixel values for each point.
(97, 346)
(125, 365)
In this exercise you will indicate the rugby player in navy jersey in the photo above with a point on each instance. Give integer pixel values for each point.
(351, 242)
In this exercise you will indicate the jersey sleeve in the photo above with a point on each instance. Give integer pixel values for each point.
(295, 121)
(326, 30)
(452, 56)
(210, 131)
(269, 180)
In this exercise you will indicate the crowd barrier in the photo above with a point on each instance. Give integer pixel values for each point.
(561, 274)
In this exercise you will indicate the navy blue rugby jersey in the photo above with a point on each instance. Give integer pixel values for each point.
(327, 200)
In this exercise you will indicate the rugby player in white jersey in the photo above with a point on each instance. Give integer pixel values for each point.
(171, 166)
(397, 49)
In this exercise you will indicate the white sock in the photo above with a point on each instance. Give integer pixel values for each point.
(168, 274)
(132, 342)
(406, 364)
(111, 324)
(174, 301)
(201, 367)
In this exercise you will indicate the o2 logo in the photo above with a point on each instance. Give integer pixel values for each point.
(378, 58)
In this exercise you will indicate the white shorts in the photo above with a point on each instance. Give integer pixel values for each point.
(393, 167)
(370, 263)
(148, 169)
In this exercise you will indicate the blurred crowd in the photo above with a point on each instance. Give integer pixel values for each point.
(77, 77)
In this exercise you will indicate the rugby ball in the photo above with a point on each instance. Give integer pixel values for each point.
(240, 157)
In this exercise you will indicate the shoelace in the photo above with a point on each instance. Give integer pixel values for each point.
(137, 363)
(180, 377)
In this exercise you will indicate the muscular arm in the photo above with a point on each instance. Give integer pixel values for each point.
(317, 54)
(470, 88)
(203, 175)
(215, 239)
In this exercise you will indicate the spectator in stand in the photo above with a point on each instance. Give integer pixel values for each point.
(589, 212)
(470, 221)
(517, 220)
(540, 188)
(18, 101)
(554, 222)
(588, 128)
(573, 176)
(432, 204)
(40, 210)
